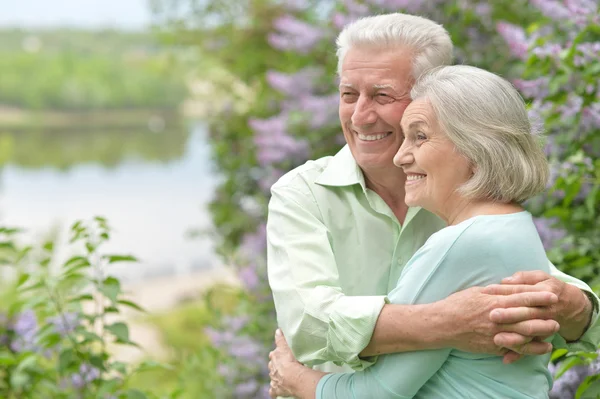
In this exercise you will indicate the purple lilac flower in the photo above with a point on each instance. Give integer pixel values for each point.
(294, 34)
(226, 372)
(291, 84)
(552, 9)
(66, 323)
(246, 389)
(255, 243)
(548, 233)
(587, 53)
(515, 38)
(483, 10)
(271, 177)
(218, 338)
(323, 110)
(85, 376)
(25, 328)
(582, 11)
(274, 144)
(572, 107)
(537, 88)
(235, 323)
(551, 50)
(263, 393)
(245, 349)
(566, 386)
(249, 277)
(590, 117)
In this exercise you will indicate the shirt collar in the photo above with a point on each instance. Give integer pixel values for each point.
(342, 171)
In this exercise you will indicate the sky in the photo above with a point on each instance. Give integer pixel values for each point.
(126, 14)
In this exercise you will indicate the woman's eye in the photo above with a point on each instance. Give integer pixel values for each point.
(421, 136)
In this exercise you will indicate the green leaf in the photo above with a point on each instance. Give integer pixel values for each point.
(89, 336)
(26, 362)
(65, 360)
(81, 298)
(111, 288)
(90, 247)
(566, 365)
(7, 359)
(23, 279)
(108, 386)
(75, 261)
(48, 246)
(51, 340)
(98, 362)
(131, 304)
(18, 380)
(119, 367)
(558, 354)
(149, 365)
(120, 258)
(135, 394)
(589, 388)
(119, 330)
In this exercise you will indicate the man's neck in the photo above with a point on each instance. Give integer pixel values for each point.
(388, 183)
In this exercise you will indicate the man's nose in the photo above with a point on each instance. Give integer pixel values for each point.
(363, 114)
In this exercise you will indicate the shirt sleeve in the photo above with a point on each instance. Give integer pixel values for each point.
(436, 271)
(320, 323)
(591, 339)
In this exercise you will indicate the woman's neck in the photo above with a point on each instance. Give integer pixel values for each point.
(466, 209)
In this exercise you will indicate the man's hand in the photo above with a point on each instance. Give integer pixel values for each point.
(572, 311)
(467, 314)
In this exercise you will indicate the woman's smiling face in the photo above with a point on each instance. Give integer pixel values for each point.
(433, 166)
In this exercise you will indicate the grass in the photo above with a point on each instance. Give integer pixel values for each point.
(193, 357)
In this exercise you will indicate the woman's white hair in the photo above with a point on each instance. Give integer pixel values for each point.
(429, 42)
(485, 117)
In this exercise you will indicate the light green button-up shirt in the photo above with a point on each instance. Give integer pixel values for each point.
(335, 250)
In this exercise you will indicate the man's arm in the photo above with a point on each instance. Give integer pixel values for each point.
(460, 321)
(575, 310)
(320, 322)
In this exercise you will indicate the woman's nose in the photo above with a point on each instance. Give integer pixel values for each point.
(403, 156)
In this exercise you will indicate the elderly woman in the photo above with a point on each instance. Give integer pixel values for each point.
(471, 158)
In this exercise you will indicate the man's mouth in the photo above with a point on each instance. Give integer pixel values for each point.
(373, 137)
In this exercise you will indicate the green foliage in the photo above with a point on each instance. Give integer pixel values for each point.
(80, 71)
(193, 357)
(55, 326)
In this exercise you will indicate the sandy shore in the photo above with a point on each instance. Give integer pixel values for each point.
(160, 295)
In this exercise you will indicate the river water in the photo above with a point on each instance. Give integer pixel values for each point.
(153, 192)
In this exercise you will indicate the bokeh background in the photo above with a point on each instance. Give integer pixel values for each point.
(171, 119)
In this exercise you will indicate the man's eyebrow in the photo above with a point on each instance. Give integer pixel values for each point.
(347, 85)
(385, 86)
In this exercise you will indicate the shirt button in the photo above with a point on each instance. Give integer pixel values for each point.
(400, 261)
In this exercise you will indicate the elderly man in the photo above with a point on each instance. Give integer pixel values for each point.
(339, 232)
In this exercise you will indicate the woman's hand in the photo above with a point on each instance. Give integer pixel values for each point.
(282, 365)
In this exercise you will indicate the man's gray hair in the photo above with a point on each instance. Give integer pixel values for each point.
(429, 42)
(485, 117)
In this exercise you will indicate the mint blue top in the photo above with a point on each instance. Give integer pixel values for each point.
(479, 251)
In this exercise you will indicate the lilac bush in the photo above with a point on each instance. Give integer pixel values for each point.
(51, 346)
(548, 48)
